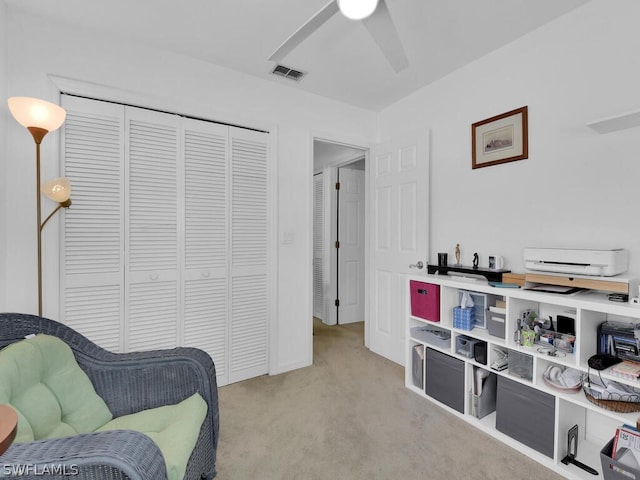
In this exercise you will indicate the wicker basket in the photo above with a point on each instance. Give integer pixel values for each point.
(626, 403)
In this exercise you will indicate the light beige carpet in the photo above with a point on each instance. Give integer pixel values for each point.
(349, 416)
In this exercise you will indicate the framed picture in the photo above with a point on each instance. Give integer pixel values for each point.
(500, 139)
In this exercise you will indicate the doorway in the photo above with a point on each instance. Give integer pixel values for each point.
(339, 235)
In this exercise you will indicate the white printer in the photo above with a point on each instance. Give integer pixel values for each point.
(575, 261)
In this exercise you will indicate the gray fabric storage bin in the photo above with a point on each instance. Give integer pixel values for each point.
(445, 379)
(526, 415)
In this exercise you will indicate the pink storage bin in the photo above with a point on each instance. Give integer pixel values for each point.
(425, 300)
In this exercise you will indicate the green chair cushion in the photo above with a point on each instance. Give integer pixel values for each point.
(174, 428)
(41, 380)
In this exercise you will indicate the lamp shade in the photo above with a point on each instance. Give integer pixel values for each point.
(57, 189)
(357, 9)
(32, 112)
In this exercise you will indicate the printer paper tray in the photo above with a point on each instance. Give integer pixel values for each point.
(589, 283)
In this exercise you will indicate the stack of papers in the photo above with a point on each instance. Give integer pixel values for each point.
(626, 446)
(626, 369)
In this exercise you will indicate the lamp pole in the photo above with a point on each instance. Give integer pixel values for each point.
(38, 134)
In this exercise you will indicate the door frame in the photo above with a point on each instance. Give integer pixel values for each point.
(330, 174)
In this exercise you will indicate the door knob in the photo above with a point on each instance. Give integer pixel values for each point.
(418, 265)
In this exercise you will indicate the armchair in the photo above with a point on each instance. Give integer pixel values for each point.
(128, 383)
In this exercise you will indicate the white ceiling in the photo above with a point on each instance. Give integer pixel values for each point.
(341, 60)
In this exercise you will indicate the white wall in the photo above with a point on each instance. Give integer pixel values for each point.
(578, 188)
(173, 83)
(4, 114)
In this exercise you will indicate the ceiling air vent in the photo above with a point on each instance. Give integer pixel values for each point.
(287, 72)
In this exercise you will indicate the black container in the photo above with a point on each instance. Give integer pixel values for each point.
(480, 352)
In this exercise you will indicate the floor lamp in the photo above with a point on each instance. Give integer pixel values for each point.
(41, 117)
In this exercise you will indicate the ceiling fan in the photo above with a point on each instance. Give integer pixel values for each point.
(378, 23)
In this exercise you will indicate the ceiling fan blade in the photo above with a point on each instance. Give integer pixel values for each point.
(383, 31)
(315, 22)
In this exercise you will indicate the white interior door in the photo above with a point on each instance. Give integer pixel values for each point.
(351, 237)
(399, 219)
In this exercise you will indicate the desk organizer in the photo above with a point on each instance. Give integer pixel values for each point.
(417, 360)
(520, 365)
(614, 470)
(438, 338)
(481, 302)
(432, 335)
(484, 403)
(495, 324)
(466, 345)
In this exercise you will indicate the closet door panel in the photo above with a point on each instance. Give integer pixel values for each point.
(205, 320)
(153, 313)
(152, 221)
(206, 240)
(318, 247)
(249, 327)
(92, 235)
(249, 248)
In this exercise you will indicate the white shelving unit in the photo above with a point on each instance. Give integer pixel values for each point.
(596, 425)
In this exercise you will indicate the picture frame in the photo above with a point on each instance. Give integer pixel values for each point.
(500, 139)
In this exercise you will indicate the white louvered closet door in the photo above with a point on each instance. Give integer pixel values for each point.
(92, 257)
(152, 163)
(318, 246)
(167, 241)
(249, 254)
(206, 213)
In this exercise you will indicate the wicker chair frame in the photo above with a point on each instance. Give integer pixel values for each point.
(128, 383)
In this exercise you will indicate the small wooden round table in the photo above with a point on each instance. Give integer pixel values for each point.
(8, 426)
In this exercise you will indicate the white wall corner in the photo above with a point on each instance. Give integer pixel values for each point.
(4, 152)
